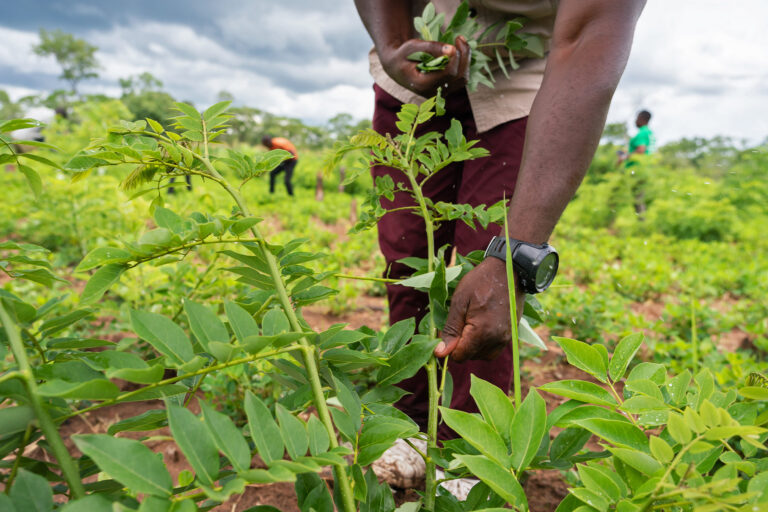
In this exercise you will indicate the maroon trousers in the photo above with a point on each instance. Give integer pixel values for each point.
(401, 234)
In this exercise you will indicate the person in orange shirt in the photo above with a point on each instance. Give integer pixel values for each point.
(287, 166)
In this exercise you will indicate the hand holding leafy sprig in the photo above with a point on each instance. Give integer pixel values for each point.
(506, 43)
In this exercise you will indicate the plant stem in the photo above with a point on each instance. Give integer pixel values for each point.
(366, 278)
(513, 314)
(171, 380)
(434, 393)
(309, 351)
(69, 468)
(694, 338)
(19, 456)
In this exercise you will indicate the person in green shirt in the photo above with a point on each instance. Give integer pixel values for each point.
(644, 141)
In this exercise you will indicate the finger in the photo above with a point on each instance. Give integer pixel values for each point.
(454, 325)
(446, 348)
(466, 346)
(464, 52)
(434, 48)
(454, 59)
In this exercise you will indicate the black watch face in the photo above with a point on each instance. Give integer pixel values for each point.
(545, 274)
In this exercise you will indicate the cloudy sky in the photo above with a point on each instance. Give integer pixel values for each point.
(699, 65)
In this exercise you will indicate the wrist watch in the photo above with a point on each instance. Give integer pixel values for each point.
(536, 265)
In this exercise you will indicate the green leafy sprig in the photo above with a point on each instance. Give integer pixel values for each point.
(503, 45)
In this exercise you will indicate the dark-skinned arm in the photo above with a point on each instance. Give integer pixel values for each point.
(590, 48)
(390, 25)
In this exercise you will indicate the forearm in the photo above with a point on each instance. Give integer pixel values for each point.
(567, 118)
(388, 22)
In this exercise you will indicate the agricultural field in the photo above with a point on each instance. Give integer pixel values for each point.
(222, 348)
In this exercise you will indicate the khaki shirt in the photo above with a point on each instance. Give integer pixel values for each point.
(511, 98)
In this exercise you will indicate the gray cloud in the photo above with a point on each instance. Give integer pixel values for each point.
(698, 65)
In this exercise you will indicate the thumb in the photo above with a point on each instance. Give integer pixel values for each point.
(454, 326)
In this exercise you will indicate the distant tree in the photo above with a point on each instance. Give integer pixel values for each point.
(144, 97)
(9, 109)
(716, 154)
(225, 96)
(615, 133)
(140, 83)
(75, 56)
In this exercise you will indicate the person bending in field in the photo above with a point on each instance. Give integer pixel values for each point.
(541, 126)
(286, 166)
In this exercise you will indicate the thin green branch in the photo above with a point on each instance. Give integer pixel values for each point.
(68, 467)
(171, 380)
(19, 457)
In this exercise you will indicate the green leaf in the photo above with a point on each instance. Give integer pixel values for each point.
(424, 281)
(497, 478)
(31, 492)
(591, 498)
(479, 434)
(15, 419)
(661, 450)
(33, 179)
(167, 337)
(581, 390)
(205, 324)
(215, 109)
(91, 503)
(527, 430)
(275, 322)
(625, 351)
(643, 404)
(149, 420)
(754, 393)
(242, 225)
(379, 433)
(227, 437)
(678, 429)
(527, 335)
(678, 386)
(319, 441)
(293, 431)
(264, 431)
(723, 433)
(361, 486)
(187, 109)
(583, 356)
(312, 493)
(101, 281)
(495, 406)
(406, 362)
(349, 400)
(169, 220)
(241, 321)
(96, 389)
(195, 442)
(568, 442)
(101, 256)
(127, 461)
(638, 460)
(398, 335)
(617, 431)
(157, 127)
(654, 372)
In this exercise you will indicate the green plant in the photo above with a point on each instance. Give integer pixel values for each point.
(506, 43)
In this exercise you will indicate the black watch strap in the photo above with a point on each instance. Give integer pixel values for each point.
(498, 248)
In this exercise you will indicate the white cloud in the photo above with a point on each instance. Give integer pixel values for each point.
(699, 66)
